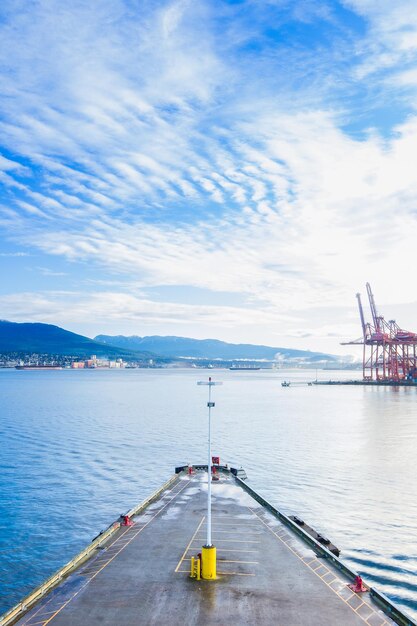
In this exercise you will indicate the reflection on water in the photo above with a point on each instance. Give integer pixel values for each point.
(79, 448)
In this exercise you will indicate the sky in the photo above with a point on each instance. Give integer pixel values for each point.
(220, 169)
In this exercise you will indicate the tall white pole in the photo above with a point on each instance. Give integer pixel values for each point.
(209, 471)
(209, 552)
(210, 405)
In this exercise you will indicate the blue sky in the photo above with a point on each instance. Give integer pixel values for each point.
(235, 170)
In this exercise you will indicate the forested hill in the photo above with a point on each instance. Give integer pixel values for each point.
(176, 347)
(48, 339)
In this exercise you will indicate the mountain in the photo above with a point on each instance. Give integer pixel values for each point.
(176, 347)
(48, 339)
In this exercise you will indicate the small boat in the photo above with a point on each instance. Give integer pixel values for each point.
(285, 383)
(38, 367)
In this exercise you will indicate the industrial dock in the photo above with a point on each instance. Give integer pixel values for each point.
(269, 570)
(389, 351)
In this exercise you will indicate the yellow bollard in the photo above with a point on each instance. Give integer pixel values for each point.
(208, 558)
(195, 571)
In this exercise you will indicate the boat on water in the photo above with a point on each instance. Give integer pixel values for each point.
(39, 367)
(149, 567)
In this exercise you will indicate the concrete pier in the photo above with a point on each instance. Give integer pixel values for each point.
(266, 574)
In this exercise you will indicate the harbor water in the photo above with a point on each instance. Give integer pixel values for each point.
(78, 448)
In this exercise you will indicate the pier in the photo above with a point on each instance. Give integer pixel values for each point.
(269, 571)
(369, 383)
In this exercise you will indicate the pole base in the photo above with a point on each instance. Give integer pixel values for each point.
(208, 561)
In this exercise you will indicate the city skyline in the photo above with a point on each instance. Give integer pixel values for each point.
(231, 170)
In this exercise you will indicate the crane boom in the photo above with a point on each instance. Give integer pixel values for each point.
(373, 307)
(362, 316)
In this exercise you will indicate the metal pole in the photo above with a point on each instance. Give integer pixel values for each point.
(210, 405)
(209, 471)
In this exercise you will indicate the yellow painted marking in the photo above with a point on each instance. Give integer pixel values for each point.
(236, 541)
(233, 532)
(240, 519)
(332, 580)
(226, 561)
(221, 550)
(218, 537)
(42, 606)
(369, 607)
(189, 544)
(234, 574)
(233, 524)
(186, 571)
(255, 550)
(326, 571)
(312, 570)
(130, 528)
(91, 578)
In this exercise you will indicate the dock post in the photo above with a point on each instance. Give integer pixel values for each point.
(208, 558)
(195, 570)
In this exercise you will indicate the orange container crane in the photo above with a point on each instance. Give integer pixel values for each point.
(389, 352)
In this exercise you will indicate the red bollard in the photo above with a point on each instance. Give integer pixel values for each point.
(190, 470)
(358, 586)
(126, 521)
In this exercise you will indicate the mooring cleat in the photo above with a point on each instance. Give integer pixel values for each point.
(357, 586)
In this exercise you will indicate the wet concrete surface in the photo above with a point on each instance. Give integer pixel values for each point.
(265, 574)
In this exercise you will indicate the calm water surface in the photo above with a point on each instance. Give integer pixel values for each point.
(79, 448)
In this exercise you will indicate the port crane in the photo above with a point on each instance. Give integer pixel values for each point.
(389, 352)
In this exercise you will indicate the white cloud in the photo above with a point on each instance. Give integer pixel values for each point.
(392, 41)
(156, 147)
(46, 271)
(114, 308)
(14, 254)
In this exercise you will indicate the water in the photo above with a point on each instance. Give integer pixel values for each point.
(79, 448)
